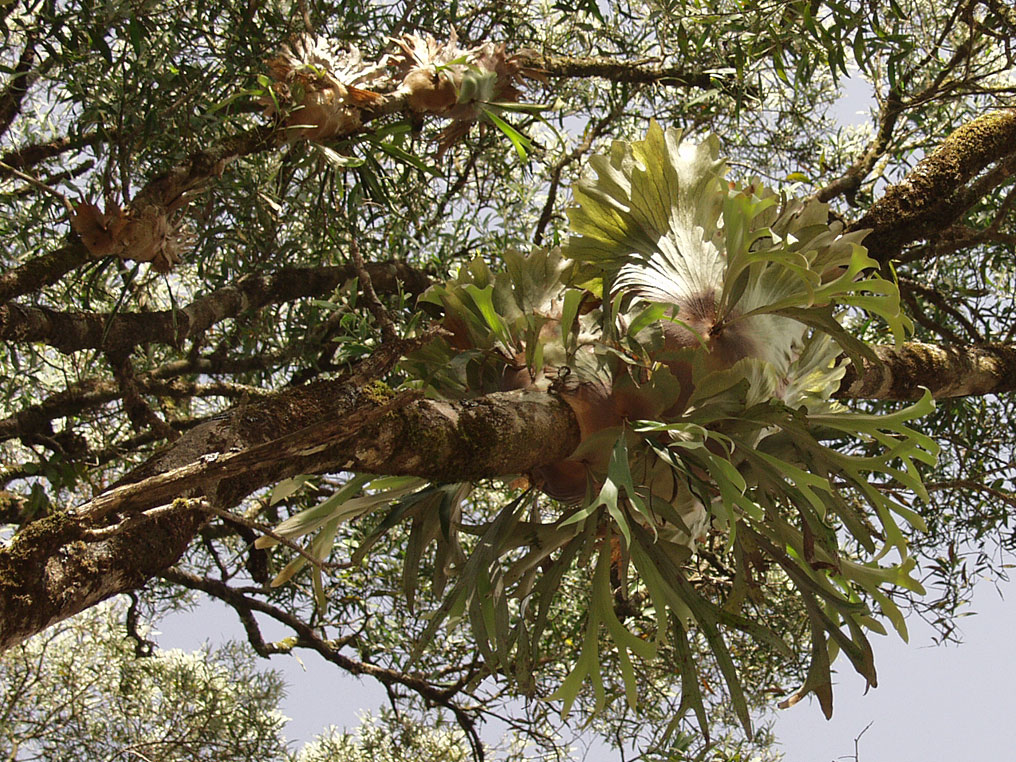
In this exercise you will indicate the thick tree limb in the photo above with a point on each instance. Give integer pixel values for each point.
(129, 533)
(495, 435)
(952, 371)
(45, 574)
(56, 566)
(931, 198)
(271, 460)
(66, 562)
(73, 331)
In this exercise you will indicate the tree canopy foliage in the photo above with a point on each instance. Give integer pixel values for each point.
(535, 360)
(211, 704)
(170, 705)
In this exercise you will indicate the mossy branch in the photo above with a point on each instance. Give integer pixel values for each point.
(924, 203)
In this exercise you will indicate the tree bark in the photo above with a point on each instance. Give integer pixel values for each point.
(950, 371)
(73, 331)
(58, 566)
(66, 562)
(931, 197)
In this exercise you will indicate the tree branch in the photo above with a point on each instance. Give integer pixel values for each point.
(851, 179)
(616, 71)
(57, 566)
(43, 270)
(29, 155)
(306, 636)
(48, 571)
(92, 392)
(141, 416)
(952, 371)
(167, 189)
(931, 197)
(17, 88)
(487, 437)
(504, 433)
(908, 289)
(592, 133)
(73, 331)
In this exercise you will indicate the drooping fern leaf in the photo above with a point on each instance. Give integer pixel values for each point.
(697, 327)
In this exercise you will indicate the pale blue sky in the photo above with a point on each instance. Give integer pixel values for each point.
(932, 703)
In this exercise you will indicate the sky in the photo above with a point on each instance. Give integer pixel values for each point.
(932, 702)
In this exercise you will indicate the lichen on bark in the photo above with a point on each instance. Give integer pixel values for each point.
(60, 565)
(904, 371)
(920, 205)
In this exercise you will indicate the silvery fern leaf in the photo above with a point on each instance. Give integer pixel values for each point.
(735, 266)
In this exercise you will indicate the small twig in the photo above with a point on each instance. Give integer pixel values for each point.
(1005, 497)
(943, 304)
(143, 647)
(384, 320)
(269, 532)
(39, 184)
(555, 175)
(138, 411)
(857, 740)
(922, 317)
(848, 183)
(1003, 211)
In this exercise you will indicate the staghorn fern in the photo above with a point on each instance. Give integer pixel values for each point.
(691, 323)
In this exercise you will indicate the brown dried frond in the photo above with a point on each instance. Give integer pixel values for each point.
(445, 79)
(99, 231)
(323, 88)
(429, 76)
(145, 235)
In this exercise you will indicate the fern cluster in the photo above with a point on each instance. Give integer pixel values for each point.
(694, 325)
